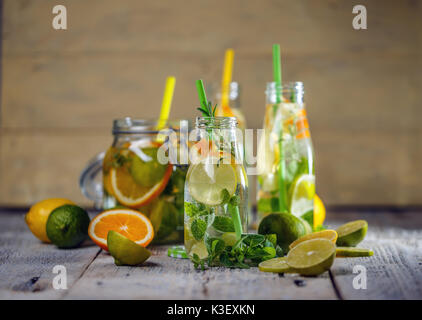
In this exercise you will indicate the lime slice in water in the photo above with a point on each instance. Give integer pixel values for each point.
(312, 257)
(208, 179)
(301, 194)
(199, 249)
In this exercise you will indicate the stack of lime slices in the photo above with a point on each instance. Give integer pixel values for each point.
(314, 253)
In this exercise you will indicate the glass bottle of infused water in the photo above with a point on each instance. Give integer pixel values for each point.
(286, 179)
(134, 178)
(216, 187)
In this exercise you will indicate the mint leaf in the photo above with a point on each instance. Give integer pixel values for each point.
(272, 238)
(190, 209)
(234, 201)
(223, 224)
(225, 195)
(198, 228)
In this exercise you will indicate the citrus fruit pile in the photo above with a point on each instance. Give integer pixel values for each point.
(311, 253)
(58, 221)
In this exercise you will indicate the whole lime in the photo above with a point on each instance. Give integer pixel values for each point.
(67, 226)
(37, 216)
(286, 226)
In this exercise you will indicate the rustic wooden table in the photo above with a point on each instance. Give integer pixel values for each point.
(394, 272)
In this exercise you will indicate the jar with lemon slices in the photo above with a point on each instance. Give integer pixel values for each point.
(216, 188)
(286, 174)
(133, 177)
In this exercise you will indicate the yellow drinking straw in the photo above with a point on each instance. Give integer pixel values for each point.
(166, 104)
(225, 83)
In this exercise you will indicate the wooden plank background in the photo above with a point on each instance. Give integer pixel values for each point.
(61, 89)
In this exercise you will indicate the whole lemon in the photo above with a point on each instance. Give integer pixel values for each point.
(37, 216)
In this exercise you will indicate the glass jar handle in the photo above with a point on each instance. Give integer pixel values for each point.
(90, 180)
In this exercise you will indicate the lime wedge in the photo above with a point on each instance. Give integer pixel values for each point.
(344, 252)
(301, 194)
(208, 179)
(125, 251)
(352, 233)
(278, 265)
(312, 257)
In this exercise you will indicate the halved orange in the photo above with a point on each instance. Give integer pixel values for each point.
(132, 195)
(130, 223)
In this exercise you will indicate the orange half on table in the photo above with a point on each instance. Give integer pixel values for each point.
(130, 223)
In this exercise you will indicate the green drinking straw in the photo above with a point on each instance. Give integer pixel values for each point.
(282, 192)
(201, 94)
(233, 209)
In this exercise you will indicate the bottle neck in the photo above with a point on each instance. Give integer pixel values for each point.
(292, 92)
(216, 123)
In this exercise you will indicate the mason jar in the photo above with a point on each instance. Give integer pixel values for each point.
(133, 177)
(286, 168)
(216, 187)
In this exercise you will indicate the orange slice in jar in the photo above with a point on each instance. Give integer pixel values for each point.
(132, 195)
(130, 223)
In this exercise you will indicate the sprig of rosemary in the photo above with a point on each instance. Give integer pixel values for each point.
(208, 111)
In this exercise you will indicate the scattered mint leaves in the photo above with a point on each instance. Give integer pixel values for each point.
(249, 251)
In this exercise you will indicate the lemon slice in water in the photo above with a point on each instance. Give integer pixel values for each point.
(208, 179)
(301, 194)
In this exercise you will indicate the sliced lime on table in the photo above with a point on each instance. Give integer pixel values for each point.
(125, 251)
(312, 257)
(301, 194)
(325, 234)
(208, 179)
(344, 252)
(352, 233)
(277, 265)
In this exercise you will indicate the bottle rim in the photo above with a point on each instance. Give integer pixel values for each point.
(216, 122)
(129, 125)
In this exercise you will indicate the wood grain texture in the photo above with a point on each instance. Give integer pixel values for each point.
(163, 277)
(46, 164)
(393, 272)
(26, 264)
(362, 87)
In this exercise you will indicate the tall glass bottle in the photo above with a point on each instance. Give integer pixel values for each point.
(286, 180)
(216, 188)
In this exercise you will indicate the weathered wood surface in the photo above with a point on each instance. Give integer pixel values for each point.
(394, 272)
(362, 87)
(26, 264)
